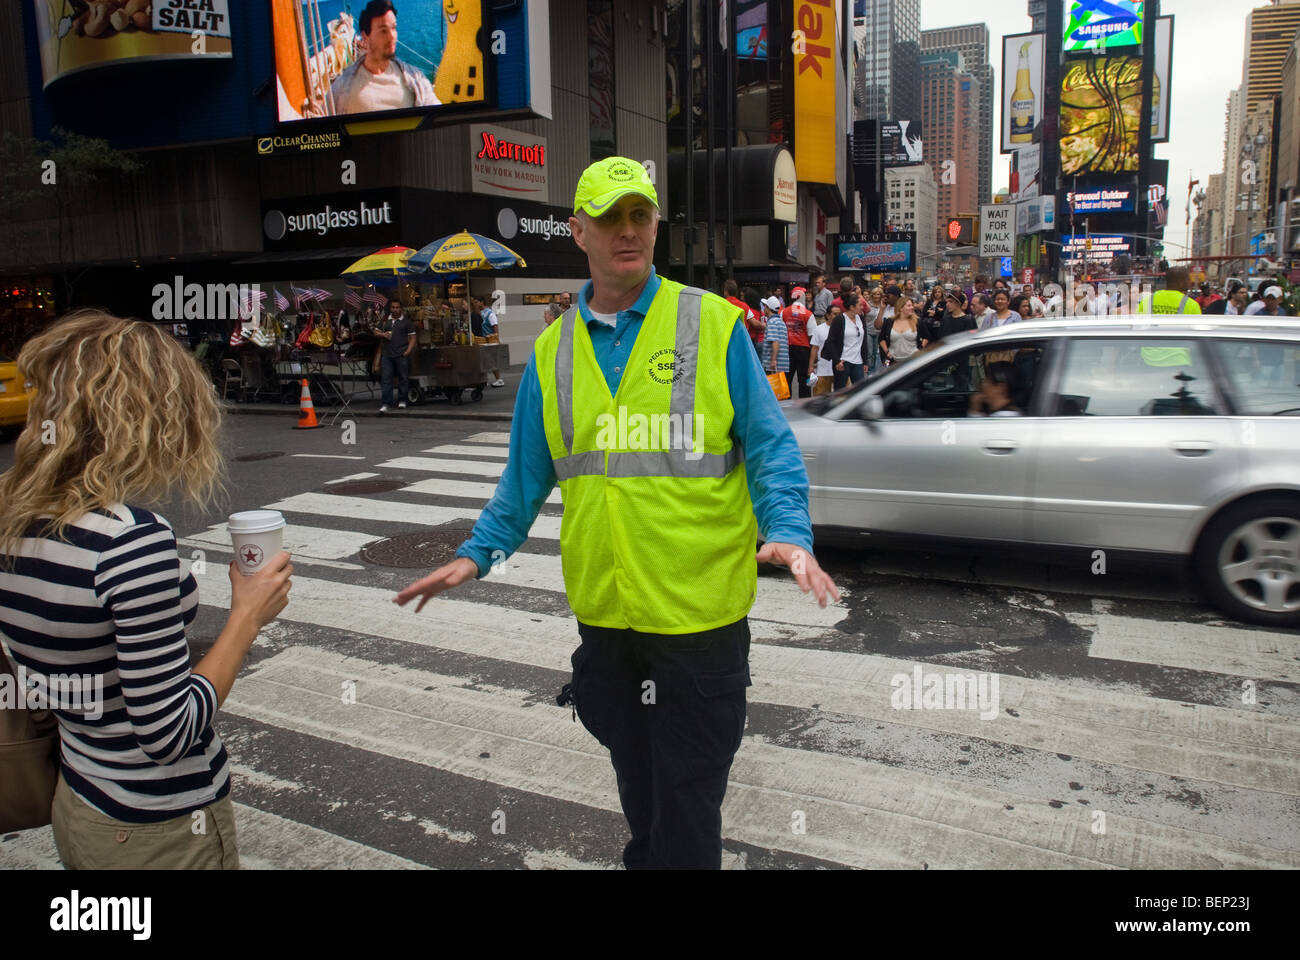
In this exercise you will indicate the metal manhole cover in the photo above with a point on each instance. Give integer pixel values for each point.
(264, 455)
(359, 487)
(423, 549)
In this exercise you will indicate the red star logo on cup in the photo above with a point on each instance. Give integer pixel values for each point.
(252, 555)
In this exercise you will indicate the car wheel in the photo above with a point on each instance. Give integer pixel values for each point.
(414, 395)
(1248, 562)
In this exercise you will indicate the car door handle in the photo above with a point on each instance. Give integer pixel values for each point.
(1192, 448)
(1000, 448)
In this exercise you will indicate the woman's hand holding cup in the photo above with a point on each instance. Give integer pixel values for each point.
(259, 597)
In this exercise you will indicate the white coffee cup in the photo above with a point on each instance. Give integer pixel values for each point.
(258, 535)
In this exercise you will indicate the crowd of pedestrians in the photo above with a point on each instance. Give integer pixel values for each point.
(827, 335)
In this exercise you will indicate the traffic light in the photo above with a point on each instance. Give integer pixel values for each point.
(960, 230)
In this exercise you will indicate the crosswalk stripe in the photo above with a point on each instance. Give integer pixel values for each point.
(1232, 651)
(860, 812)
(489, 438)
(226, 550)
(352, 476)
(1198, 742)
(30, 850)
(469, 450)
(266, 842)
(433, 465)
(393, 511)
(319, 542)
(465, 489)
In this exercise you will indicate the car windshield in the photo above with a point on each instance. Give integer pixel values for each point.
(825, 404)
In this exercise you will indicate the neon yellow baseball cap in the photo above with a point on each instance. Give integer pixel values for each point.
(605, 181)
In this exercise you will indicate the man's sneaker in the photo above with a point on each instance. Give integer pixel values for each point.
(384, 408)
(498, 383)
(402, 405)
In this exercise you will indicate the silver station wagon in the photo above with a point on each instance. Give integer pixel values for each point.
(1143, 434)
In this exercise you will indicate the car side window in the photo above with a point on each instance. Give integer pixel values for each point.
(1131, 377)
(1263, 376)
(956, 385)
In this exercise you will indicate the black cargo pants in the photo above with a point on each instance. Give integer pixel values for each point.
(671, 711)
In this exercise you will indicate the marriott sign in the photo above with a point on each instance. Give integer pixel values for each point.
(508, 163)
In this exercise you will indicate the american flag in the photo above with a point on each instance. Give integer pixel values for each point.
(374, 296)
(299, 296)
(281, 301)
(320, 296)
(249, 301)
(352, 299)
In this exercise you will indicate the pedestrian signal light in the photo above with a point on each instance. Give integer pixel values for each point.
(961, 229)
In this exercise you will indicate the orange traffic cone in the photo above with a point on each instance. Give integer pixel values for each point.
(306, 410)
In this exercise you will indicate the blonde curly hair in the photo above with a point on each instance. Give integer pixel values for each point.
(121, 414)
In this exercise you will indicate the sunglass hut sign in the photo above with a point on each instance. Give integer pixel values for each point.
(508, 163)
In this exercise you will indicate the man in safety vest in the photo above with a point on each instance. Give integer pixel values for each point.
(1174, 298)
(646, 403)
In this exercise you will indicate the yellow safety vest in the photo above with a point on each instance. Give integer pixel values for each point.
(1170, 301)
(658, 533)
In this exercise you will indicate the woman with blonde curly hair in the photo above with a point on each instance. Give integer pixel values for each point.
(92, 588)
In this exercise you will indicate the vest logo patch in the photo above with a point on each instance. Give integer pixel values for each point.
(667, 366)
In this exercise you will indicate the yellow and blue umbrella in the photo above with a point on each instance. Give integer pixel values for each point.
(461, 252)
(382, 265)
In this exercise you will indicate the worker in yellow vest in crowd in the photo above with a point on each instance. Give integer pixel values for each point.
(646, 403)
(1174, 298)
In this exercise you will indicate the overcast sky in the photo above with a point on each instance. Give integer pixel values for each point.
(1209, 41)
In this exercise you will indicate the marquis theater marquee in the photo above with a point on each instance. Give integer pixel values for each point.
(508, 163)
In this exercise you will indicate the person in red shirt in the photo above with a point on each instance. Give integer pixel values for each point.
(797, 317)
(754, 324)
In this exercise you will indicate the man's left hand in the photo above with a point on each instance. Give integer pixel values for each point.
(807, 572)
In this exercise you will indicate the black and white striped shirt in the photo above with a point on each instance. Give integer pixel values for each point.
(112, 601)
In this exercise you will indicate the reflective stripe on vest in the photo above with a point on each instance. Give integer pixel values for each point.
(1164, 298)
(669, 463)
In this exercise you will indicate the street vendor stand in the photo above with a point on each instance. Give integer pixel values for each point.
(464, 360)
(447, 359)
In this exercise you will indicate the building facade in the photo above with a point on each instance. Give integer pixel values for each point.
(890, 32)
(950, 100)
(972, 42)
(1270, 34)
(230, 210)
(912, 203)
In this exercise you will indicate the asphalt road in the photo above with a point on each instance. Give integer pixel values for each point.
(1112, 722)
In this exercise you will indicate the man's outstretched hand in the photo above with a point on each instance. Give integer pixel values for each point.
(444, 578)
(807, 573)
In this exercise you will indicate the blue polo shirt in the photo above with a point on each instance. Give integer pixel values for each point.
(778, 482)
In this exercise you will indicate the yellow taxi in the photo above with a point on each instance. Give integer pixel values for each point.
(15, 392)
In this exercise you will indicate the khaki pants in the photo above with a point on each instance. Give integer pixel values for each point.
(88, 840)
(823, 386)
